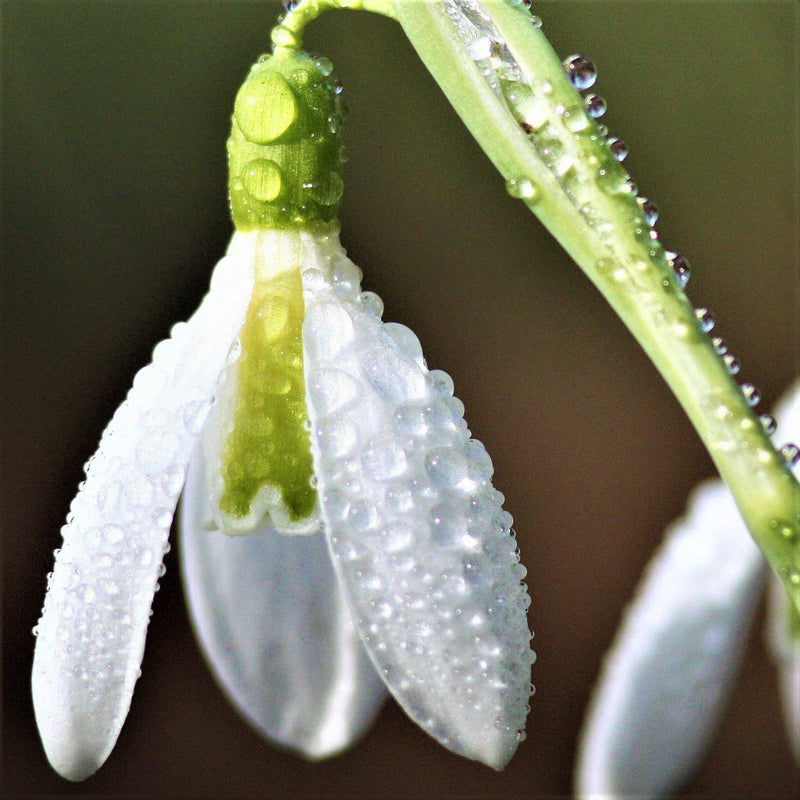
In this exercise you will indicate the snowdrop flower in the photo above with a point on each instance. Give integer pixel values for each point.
(340, 530)
(667, 677)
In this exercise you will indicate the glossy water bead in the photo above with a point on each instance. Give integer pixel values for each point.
(751, 394)
(581, 71)
(618, 148)
(790, 453)
(595, 105)
(705, 318)
(768, 424)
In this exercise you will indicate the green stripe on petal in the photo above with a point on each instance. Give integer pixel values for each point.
(268, 449)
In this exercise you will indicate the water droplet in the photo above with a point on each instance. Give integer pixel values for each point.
(476, 572)
(790, 453)
(448, 525)
(480, 49)
(327, 188)
(595, 105)
(650, 211)
(440, 382)
(751, 394)
(113, 534)
(446, 466)
(373, 303)
(536, 21)
(195, 415)
(732, 364)
(324, 65)
(521, 188)
(720, 345)
(705, 319)
(362, 516)
(576, 120)
(162, 517)
(618, 148)
(268, 89)
(581, 71)
(235, 351)
(681, 268)
(262, 178)
(768, 424)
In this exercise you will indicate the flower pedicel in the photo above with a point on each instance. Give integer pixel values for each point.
(318, 422)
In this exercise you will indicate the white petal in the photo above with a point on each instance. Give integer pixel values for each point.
(420, 540)
(665, 680)
(91, 634)
(783, 637)
(276, 629)
(784, 643)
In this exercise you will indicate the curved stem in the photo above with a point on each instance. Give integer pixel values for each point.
(289, 33)
(508, 85)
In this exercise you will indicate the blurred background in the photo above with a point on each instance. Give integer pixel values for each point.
(114, 121)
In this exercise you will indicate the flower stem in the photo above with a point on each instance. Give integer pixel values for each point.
(510, 88)
(289, 33)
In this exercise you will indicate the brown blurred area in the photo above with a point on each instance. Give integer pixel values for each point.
(114, 121)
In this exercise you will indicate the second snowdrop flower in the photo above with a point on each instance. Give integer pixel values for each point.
(664, 684)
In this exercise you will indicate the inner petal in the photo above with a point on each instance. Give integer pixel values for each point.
(257, 447)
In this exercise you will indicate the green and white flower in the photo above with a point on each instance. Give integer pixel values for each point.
(667, 677)
(340, 533)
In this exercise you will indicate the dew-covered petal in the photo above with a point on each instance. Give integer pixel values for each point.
(420, 540)
(91, 634)
(275, 627)
(665, 680)
(783, 638)
(783, 622)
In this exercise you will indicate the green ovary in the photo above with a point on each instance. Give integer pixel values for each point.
(269, 444)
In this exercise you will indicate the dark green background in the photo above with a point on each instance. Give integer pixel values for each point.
(114, 120)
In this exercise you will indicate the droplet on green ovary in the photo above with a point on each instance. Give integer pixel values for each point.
(327, 189)
(262, 178)
(263, 122)
(269, 450)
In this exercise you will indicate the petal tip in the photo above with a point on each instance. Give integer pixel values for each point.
(75, 747)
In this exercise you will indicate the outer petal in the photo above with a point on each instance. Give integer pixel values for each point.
(783, 631)
(665, 680)
(419, 538)
(91, 634)
(783, 637)
(276, 629)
